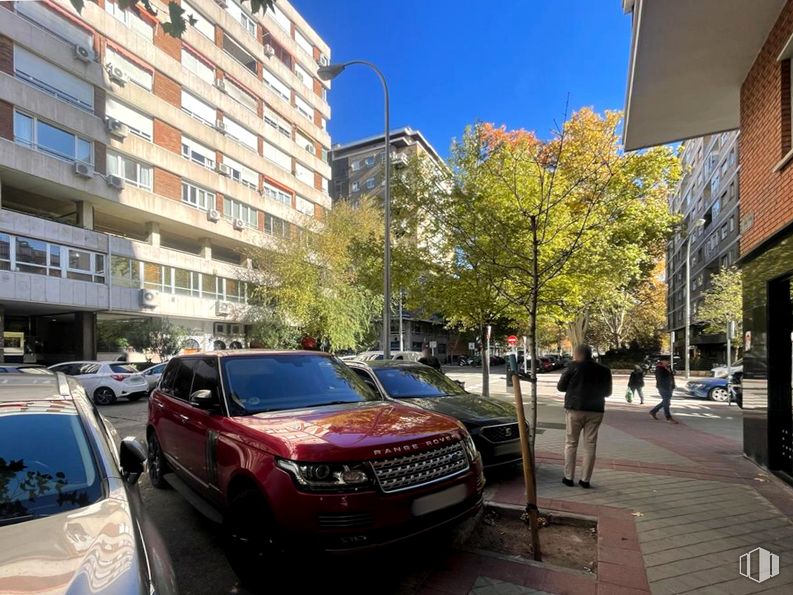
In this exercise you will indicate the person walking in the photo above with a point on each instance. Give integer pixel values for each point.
(430, 360)
(585, 384)
(636, 383)
(665, 382)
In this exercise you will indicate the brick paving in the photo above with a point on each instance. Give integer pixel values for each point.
(676, 507)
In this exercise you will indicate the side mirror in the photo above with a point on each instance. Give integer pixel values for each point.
(133, 459)
(203, 399)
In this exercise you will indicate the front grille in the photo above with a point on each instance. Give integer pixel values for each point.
(410, 471)
(345, 521)
(500, 433)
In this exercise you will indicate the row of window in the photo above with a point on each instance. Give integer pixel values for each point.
(28, 255)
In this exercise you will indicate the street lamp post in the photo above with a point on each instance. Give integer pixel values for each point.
(697, 224)
(327, 73)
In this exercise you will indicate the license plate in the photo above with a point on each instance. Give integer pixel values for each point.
(440, 500)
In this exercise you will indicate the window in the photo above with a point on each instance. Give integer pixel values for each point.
(198, 197)
(5, 252)
(280, 18)
(38, 257)
(303, 75)
(369, 161)
(732, 223)
(369, 184)
(305, 143)
(197, 66)
(50, 139)
(233, 209)
(277, 194)
(137, 122)
(51, 79)
(198, 109)
(209, 286)
(304, 43)
(242, 174)
(715, 181)
(280, 51)
(131, 19)
(277, 156)
(40, 15)
(276, 226)
(242, 17)
(134, 172)
(280, 124)
(325, 185)
(140, 76)
(304, 206)
(281, 89)
(304, 107)
(85, 266)
(125, 272)
(241, 134)
(716, 208)
(304, 174)
(355, 186)
(240, 95)
(233, 290)
(206, 376)
(201, 24)
(355, 165)
(198, 153)
(236, 51)
(186, 282)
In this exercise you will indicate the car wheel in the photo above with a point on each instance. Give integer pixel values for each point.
(158, 466)
(250, 538)
(135, 396)
(104, 396)
(718, 393)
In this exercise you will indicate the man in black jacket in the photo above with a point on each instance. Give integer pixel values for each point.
(585, 384)
(665, 382)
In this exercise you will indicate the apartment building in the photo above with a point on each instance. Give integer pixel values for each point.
(708, 193)
(682, 84)
(358, 172)
(137, 170)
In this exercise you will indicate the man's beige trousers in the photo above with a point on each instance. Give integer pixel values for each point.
(586, 424)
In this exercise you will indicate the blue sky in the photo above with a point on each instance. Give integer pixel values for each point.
(450, 63)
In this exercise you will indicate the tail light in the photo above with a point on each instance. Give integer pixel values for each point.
(118, 377)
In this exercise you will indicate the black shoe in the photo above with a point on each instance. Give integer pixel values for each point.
(583, 484)
(567, 482)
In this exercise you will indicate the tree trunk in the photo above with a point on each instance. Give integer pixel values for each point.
(533, 330)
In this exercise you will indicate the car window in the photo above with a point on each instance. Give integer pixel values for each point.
(366, 377)
(183, 379)
(206, 376)
(54, 473)
(155, 369)
(81, 369)
(416, 381)
(278, 382)
(169, 376)
(123, 369)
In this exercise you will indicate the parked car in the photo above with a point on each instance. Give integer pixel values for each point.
(152, 376)
(721, 371)
(23, 369)
(411, 356)
(292, 449)
(715, 389)
(71, 517)
(492, 424)
(106, 381)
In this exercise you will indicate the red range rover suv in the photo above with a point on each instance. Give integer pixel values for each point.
(292, 447)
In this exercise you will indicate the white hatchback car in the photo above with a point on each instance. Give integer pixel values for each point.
(104, 382)
(152, 376)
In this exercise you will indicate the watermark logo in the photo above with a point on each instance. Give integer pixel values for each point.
(759, 565)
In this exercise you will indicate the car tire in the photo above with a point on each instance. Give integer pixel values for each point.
(719, 394)
(104, 395)
(136, 396)
(249, 535)
(157, 464)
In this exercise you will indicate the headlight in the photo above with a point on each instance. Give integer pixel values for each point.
(327, 477)
(470, 447)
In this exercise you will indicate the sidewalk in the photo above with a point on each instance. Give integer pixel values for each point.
(676, 507)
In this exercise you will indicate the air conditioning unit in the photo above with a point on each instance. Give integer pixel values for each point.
(83, 170)
(213, 215)
(83, 53)
(239, 224)
(117, 128)
(149, 298)
(220, 126)
(311, 148)
(322, 60)
(220, 84)
(116, 74)
(223, 169)
(269, 50)
(116, 182)
(222, 308)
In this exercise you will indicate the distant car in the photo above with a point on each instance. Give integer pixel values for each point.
(106, 381)
(714, 389)
(411, 356)
(492, 424)
(721, 371)
(23, 369)
(71, 517)
(152, 375)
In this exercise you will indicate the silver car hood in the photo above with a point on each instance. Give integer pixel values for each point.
(89, 550)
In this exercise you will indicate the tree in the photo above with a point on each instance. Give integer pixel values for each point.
(318, 282)
(723, 303)
(179, 18)
(157, 335)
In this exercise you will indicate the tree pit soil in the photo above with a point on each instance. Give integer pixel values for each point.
(569, 542)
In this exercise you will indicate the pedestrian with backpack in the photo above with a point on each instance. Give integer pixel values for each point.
(636, 383)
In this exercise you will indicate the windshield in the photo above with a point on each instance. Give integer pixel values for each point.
(416, 381)
(50, 474)
(279, 382)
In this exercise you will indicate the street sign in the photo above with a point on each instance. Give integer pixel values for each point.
(433, 344)
(472, 345)
(512, 340)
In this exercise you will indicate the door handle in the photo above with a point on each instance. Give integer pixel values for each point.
(183, 417)
(160, 405)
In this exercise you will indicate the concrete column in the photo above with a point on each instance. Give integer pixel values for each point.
(85, 335)
(153, 232)
(206, 248)
(85, 214)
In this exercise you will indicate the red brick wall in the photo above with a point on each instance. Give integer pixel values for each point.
(167, 89)
(100, 157)
(6, 54)
(219, 203)
(168, 44)
(167, 184)
(766, 194)
(167, 136)
(6, 120)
